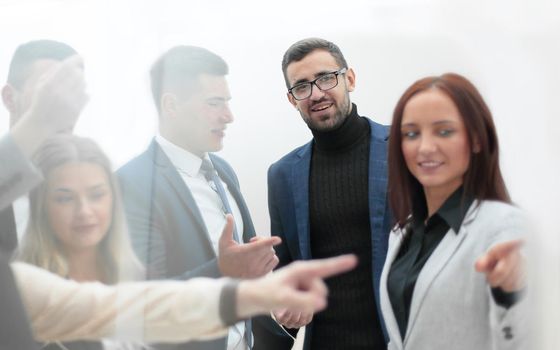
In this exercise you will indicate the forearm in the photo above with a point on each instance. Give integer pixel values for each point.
(168, 311)
(29, 136)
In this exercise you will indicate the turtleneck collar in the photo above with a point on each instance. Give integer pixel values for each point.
(345, 136)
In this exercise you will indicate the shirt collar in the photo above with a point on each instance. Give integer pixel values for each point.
(185, 161)
(452, 211)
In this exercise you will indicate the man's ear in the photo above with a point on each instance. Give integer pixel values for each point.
(350, 79)
(292, 100)
(168, 104)
(9, 98)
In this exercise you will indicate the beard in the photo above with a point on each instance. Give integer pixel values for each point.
(328, 122)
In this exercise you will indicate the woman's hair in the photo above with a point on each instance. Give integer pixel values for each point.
(483, 178)
(40, 245)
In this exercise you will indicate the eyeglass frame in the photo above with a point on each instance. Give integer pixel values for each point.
(336, 73)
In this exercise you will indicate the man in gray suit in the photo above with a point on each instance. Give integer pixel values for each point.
(176, 193)
(31, 64)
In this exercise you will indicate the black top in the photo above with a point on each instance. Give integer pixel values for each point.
(419, 243)
(421, 240)
(353, 130)
(339, 223)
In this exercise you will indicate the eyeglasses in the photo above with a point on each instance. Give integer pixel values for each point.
(325, 82)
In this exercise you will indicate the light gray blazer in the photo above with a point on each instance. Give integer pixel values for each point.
(17, 174)
(452, 306)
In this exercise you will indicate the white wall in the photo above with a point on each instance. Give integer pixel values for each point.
(509, 49)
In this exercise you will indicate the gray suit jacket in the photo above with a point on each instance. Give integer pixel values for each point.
(452, 306)
(167, 230)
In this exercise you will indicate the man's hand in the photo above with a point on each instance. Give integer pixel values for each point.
(246, 260)
(57, 101)
(293, 319)
(298, 286)
(504, 266)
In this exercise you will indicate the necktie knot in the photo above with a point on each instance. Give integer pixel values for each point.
(206, 168)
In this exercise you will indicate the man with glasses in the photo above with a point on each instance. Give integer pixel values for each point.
(329, 197)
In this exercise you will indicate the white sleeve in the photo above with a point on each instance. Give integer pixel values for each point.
(165, 311)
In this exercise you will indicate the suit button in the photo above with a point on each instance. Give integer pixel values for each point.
(507, 333)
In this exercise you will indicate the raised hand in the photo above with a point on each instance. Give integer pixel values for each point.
(293, 318)
(56, 103)
(504, 266)
(298, 286)
(245, 260)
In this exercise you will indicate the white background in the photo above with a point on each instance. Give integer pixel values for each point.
(509, 49)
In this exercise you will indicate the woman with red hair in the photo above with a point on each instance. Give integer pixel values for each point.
(454, 273)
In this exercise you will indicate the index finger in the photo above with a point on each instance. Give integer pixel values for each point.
(262, 242)
(324, 268)
(503, 249)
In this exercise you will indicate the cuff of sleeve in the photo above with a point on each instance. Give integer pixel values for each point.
(507, 299)
(228, 303)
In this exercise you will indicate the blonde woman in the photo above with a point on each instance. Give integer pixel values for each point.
(77, 227)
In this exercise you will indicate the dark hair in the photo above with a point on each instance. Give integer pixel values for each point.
(26, 54)
(180, 66)
(304, 47)
(483, 178)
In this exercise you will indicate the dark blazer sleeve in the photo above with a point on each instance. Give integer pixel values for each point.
(268, 334)
(14, 325)
(274, 187)
(17, 174)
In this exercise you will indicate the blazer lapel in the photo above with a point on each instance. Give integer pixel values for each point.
(437, 261)
(248, 228)
(377, 190)
(168, 172)
(300, 187)
(391, 325)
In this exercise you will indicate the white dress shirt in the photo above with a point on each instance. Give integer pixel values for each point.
(211, 209)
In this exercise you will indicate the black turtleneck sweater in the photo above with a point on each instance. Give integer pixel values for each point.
(339, 219)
